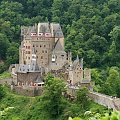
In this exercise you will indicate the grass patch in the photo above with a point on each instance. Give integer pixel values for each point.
(5, 75)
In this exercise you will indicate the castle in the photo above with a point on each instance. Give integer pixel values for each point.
(42, 51)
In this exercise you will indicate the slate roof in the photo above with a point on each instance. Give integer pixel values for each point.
(44, 27)
(58, 46)
(57, 30)
(54, 28)
(76, 62)
(28, 68)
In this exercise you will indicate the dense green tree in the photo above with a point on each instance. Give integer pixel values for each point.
(2, 92)
(53, 99)
(82, 98)
(4, 44)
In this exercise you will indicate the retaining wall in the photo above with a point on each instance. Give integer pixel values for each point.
(105, 100)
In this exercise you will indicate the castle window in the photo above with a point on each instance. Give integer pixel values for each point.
(36, 50)
(33, 46)
(36, 45)
(41, 57)
(40, 46)
(46, 51)
(42, 51)
(44, 45)
(28, 47)
(28, 52)
(28, 57)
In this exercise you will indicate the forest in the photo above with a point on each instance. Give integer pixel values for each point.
(91, 29)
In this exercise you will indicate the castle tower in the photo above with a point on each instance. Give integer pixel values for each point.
(48, 42)
(87, 74)
(76, 72)
(69, 58)
(59, 57)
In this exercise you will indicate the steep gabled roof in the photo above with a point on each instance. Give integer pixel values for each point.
(43, 27)
(56, 30)
(75, 63)
(58, 46)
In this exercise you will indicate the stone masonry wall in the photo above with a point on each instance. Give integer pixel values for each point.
(8, 81)
(105, 100)
(28, 91)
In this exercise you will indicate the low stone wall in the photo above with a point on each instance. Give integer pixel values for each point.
(8, 81)
(105, 100)
(28, 91)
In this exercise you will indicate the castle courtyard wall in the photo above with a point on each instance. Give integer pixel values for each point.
(28, 77)
(28, 90)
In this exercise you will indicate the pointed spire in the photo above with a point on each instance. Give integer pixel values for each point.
(81, 62)
(77, 57)
(69, 57)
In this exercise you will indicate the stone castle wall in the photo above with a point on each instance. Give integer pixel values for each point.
(28, 77)
(105, 100)
(28, 90)
(8, 81)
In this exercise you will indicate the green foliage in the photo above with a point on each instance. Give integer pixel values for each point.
(113, 116)
(82, 98)
(2, 92)
(53, 99)
(37, 108)
(107, 81)
(5, 74)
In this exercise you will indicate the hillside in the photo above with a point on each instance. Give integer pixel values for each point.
(92, 31)
(16, 107)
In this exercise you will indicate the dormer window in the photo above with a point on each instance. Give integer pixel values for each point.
(53, 58)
